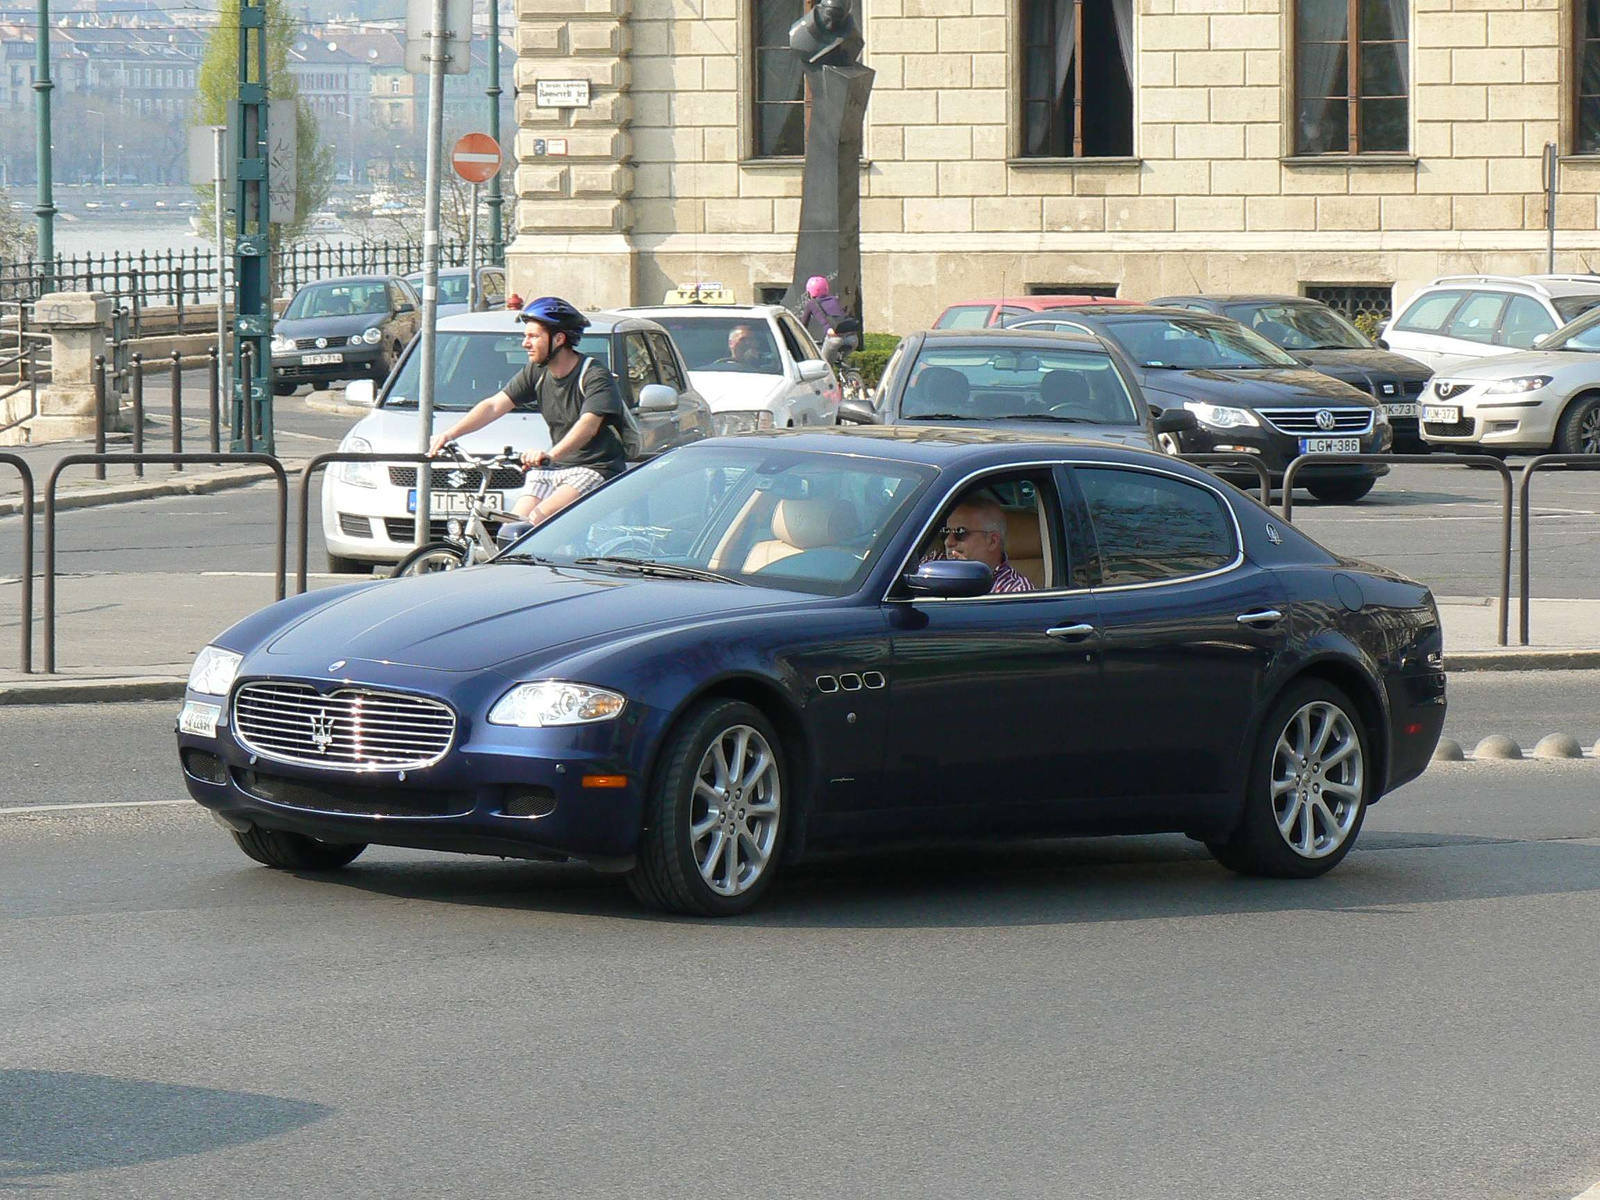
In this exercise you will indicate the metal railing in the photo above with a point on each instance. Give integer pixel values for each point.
(1222, 460)
(11, 460)
(1433, 460)
(315, 465)
(1584, 462)
(100, 461)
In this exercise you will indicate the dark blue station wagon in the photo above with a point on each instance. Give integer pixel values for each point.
(756, 648)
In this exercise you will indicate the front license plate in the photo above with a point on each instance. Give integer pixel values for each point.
(1330, 445)
(453, 504)
(199, 719)
(1400, 410)
(318, 360)
(1441, 414)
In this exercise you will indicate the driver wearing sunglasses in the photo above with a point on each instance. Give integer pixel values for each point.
(975, 530)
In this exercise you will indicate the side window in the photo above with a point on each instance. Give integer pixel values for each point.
(1148, 528)
(1429, 313)
(637, 368)
(967, 316)
(804, 348)
(1525, 320)
(397, 297)
(1477, 318)
(1019, 511)
(666, 361)
(788, 340)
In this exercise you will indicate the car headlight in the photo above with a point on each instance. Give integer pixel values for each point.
(358, 474)
(213, 671)
(552, 702)
(281, 344)
(1519, 383)
(741, 421)
(373, 336)
(1220, 416)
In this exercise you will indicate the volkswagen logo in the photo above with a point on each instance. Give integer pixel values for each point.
(322, 343)
(1325, 419)
(321, 729)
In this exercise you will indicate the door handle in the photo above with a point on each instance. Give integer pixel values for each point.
(1070, 633)
(1260, 616)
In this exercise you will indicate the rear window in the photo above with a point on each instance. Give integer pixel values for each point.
(1149, 528)
(983, 383)
(1574, 306)
(966, 316)
(1427, 314)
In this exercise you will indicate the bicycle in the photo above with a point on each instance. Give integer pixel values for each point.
(468, 539)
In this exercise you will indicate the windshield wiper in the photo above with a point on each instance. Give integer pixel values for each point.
(524, 556)
(1049, 417)
(646, 567)
(905, 416)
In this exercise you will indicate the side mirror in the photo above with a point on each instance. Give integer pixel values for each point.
(657, 397)
(950, 578)
(1177, 420)
(1540, 339)
(812, 370)
(857, 412)
(1380, 343)
(406, 307)
(360, 391)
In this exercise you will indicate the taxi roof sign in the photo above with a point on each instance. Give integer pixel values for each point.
(699, 293)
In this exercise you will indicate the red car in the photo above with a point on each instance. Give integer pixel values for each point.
(978, 314)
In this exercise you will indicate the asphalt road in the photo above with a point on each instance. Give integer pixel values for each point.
(1113, 1018)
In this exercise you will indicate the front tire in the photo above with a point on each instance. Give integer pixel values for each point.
(294, 851)
(1308, 788)
(714, 819)
(1578, 431)
(1341, 491)
(426, 560)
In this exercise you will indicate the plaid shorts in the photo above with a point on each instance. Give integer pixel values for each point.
(542, 481)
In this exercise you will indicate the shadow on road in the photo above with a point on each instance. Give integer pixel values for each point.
(61, 1122)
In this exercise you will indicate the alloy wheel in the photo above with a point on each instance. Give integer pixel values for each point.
(1589, 431)
(733, 817)
(1318, 779)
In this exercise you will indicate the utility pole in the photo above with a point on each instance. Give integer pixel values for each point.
(438, 53)
(45, 208)
(252, 244)
(492, 52)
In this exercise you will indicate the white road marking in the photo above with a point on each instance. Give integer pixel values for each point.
(1590, 1193)
(39, 808)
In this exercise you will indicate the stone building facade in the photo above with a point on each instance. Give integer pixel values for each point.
(1234, 172)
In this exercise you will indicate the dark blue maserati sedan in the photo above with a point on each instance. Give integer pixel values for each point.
(758, 648)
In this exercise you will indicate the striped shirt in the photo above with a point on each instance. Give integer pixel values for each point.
(1006, 577)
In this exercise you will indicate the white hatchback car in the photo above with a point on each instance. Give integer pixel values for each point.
(1458, 318)
(754, 363)
(367, 508)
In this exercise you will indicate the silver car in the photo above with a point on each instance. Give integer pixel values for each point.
(1547, 398)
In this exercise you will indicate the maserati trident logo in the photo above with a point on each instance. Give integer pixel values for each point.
(1324, 419)
(321, 729)
(335, 666)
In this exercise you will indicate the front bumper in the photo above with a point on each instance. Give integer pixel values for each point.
(360, 361)
(1509, 423)
(1275, 450)
(375, 524)
(503, 791)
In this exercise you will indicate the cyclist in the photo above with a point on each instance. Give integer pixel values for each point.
(826, 320)
(579, 400)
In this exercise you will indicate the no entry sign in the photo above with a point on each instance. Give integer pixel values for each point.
(476, 157)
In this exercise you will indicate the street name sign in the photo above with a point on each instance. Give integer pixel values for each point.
(561, 93)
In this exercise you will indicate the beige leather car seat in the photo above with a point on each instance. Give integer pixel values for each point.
(1025, 544)
(799, 525)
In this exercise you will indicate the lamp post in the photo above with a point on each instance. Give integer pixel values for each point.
(96, 112)
(496, 230)
(45, 206)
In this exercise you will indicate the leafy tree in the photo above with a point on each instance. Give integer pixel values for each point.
(218, 88)
(16, 238)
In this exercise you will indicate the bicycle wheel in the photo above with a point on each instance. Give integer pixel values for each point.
(425, 560)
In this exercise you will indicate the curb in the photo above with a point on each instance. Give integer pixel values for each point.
(219, 481)
(338, 407)
(49, 690)
(1505, 658)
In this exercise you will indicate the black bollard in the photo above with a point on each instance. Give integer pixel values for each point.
(136, 366)
(177, 407)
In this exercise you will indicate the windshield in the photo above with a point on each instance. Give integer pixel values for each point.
(1299, 326)
(979, 383)
(452, 288)
(1582, 334)
(1192, 344)
(338, 300)
(725, 343)
(473, 367)
(1574, 306)
(754, 514)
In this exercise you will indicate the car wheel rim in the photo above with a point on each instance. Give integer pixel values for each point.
(440, 560)
(1589, 431)
(1317, 779)
(733, 820)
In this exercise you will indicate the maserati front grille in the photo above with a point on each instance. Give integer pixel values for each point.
(347, 729)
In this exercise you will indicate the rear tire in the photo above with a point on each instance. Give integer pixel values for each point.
(431, 558)
(285, 389)
(1578, 431)
(1309, 785)
(338, 564)
(294, 851)
(1341, 491)
(714, 818)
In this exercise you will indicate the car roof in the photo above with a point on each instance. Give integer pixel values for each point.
(1237, 298)
(442, 271)
(1136, 311)
(1528, 285)
(1042, 303)
(349, 279)
(1001, 336)
(703, 310)
(505, 320)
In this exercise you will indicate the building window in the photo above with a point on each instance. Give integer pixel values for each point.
(779, 127)
(1352, 77)
(1077, 82)
(1355, 299)
(1588, 77)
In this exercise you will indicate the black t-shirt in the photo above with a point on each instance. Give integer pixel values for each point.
(589, 388)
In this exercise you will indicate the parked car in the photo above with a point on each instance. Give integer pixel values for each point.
(1532, 401)
(1026, 381)
(453, 283)
(1322, 339)
(981, 314)
(1248, 396)
(1461, 317)
(776, 380)
(368, 510)
(338, 329)
(773, 667)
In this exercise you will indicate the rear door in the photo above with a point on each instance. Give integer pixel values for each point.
(1419, 331)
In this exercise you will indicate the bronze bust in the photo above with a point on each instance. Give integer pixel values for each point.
(827, 36)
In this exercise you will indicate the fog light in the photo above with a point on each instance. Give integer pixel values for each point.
(453, 527)
(207, 768)
(529, 802)
(1237, 449)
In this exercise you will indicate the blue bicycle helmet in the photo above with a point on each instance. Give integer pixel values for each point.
(556, 314)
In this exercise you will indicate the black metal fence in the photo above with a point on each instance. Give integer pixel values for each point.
(189, 277)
